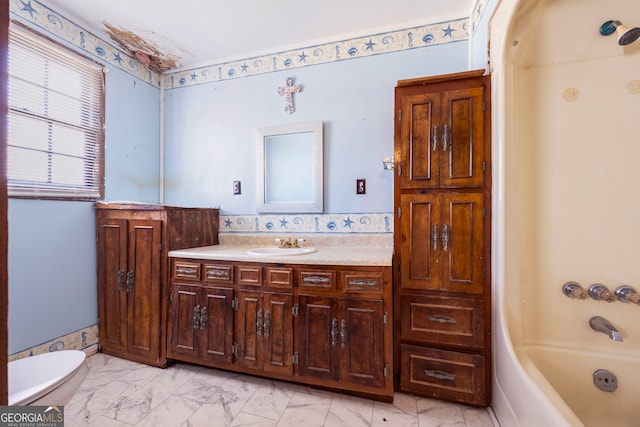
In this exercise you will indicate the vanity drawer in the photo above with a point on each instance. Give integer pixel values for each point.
(219, 273)
(250, 275)
(279, 277)
(443, 374)
(318, 279)
(443, 320)
(361, 281)
(186, 270)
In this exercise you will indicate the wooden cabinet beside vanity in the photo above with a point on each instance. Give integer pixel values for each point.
(442, 194)
(323, 325)
(133, 241)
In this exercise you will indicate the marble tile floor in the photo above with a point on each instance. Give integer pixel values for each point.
(118, 392)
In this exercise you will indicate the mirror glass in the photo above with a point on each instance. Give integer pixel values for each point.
(289, 168)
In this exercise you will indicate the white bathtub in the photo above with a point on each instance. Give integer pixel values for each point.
(570, 373)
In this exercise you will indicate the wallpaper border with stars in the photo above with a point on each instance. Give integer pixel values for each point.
(308, 223)
(423, 36)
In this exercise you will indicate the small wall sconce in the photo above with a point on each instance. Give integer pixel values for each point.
(387, 163)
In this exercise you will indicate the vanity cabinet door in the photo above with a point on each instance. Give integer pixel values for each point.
(265, 331)
(318, 337)
(216, 324)
(362, 342)
(342, 340)
(183, 338)
(201, 323)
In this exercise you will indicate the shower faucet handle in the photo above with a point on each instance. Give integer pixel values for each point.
(627, 294)
(600, 292)
(574, 290)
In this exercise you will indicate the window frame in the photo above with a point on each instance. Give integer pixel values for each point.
(57, 191)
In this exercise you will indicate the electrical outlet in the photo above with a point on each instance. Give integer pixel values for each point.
(361, 186)
(236, 187)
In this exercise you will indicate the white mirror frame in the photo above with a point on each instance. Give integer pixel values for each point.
(315, 163)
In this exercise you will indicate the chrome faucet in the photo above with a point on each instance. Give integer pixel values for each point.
(601, 324)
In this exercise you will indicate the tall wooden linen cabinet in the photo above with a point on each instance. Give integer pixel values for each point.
(133, 241)
(442, 197)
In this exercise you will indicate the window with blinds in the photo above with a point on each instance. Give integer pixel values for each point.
(55, 126)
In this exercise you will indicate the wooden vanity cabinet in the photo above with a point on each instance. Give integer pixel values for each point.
(317, 325)
(132, 245)
(442, 196)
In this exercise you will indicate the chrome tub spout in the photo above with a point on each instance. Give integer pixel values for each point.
(601, 324)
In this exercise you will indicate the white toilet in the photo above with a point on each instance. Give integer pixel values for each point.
(46, 379)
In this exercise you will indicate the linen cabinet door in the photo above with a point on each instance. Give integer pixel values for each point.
(143, 288)
(420, 134)
(112, 296)
(277, 336)
(362, 342)
(462, 254)
(421, 233)
(216, 324)
(462, 161)
(185, 309)
(318, 337)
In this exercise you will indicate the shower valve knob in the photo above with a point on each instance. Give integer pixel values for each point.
(627, 294)
(574, 290)
(600, 292)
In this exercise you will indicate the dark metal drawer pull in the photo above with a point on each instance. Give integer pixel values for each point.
(441, 375)
(363, 283)
(186, 270)
(214, 274)
(441, 319)
(334, 332)
(121, 279)
(203, 318)
(316, 279)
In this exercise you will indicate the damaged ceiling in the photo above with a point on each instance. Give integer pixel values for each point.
(168, 34)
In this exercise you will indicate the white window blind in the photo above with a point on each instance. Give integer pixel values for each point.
(55, 126)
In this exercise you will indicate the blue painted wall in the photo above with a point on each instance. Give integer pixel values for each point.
(211, 129)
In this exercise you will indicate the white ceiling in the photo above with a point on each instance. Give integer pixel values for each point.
(205, 32)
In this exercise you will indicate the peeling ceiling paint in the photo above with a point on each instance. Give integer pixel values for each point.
(144, 50)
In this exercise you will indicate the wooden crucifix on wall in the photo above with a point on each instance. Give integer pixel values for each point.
(288, 92)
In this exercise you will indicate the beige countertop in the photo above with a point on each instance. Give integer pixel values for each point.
(325, 255)
(372, 251)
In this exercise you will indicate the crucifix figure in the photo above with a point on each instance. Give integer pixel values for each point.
(288, 91)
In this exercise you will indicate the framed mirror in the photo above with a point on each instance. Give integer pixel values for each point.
(290, 168)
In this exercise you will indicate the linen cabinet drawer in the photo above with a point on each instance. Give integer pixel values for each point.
(443, 320)
(218, 273)
(318, 279)
(361, 281)
(186, 270)
(443, 374)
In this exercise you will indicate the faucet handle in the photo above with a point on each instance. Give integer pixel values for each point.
(574, 290)
(627, 294)
(600, 292)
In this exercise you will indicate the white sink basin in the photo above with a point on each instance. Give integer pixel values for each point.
(275, 251)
